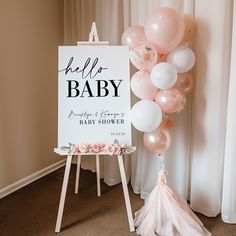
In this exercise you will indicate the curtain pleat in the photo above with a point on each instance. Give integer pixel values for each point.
(78, 17)
(212, 49)
(229, 181)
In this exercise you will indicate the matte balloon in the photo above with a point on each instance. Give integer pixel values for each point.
(143, 56)
(142, 87)
(133, 34)
(157, 141)
(146, 116)
(165, 29)
(190, 28)
(170, 100)
(164, 75)
(185, 82)
(182, 58)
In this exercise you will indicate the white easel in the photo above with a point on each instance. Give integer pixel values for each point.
(93, 40)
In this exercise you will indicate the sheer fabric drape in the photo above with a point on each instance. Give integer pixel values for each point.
(201, 158)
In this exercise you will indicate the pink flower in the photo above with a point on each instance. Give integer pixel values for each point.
(84, 148)
(75, 150)
(97, 147)
(113, 149)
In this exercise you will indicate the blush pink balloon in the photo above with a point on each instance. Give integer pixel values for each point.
(170, 100)
(133, 34)
(190, 28)
(162, 58)
(143, 56)
(157, 141)
(165, 29)
(142, 87)
(185, 82)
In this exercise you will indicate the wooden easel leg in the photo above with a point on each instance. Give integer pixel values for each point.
(63, 194)
(77, 174)
(98, 175)
(126, 193)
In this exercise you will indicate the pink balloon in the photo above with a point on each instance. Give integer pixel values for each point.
(162, 58)
(133, 34)
(190, 28)
(143, 56)
(170, 100)
(165, 28)
(185, 82)
(142, 87)
(157, 141)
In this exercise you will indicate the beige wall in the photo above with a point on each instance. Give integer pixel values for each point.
(29, 36)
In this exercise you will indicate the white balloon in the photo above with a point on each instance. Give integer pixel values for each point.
(164, 75)
(146, 115)
(182, 58)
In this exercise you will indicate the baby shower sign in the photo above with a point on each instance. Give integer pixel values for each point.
(93, 95)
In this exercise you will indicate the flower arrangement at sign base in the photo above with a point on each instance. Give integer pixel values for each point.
(114, 148)
(160, 52)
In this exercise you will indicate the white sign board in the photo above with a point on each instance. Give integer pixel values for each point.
(94, 95)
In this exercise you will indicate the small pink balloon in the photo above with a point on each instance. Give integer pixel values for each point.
(143, 56)
(142, 87)
(165, 29)
(162, 58)
(157, 141)
(185, 82)
(190, 28)
(133, 34)
(170, 100)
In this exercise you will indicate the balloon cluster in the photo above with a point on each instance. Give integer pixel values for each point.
(159, 52)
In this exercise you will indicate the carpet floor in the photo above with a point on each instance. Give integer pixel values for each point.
(32, 210)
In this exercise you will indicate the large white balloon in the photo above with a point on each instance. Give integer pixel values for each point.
(182, 58)
(164, 75)
(146, 115)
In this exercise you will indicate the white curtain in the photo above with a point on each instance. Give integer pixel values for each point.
(229, 177)
(201, 158)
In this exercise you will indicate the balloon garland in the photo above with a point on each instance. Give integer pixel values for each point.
(163, 80)
(162, 83)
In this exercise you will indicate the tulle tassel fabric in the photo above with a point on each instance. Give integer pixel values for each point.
(166, 213)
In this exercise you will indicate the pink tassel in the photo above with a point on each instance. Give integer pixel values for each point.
(166, 213)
